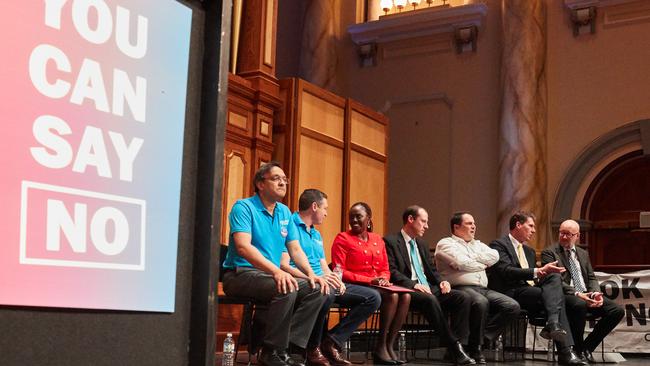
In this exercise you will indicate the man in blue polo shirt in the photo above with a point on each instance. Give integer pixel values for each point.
(362, 301)
(260, 231)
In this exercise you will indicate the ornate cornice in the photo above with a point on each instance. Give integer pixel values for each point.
(418, 23)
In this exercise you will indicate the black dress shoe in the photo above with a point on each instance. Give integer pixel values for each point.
(458, 355)
(290, 360)
(380, 361)
(553, 331)
(588, 356)
(569, 357)
(271, 357)
(477, 355)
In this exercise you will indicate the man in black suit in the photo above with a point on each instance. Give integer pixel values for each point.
(582, 291)
(516, 275)
(411, 267)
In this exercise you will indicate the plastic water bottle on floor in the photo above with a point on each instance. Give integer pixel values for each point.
(498, 349)
(228, 351)
(402, 346)
(549, 351)
(345, 350)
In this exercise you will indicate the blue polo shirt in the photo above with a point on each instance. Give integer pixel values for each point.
(269, 234)
(311, 242)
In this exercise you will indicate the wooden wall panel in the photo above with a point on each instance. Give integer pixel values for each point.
(322, 116)
(321, 167)
(313, 139)
(368, 133)
(368, 184)
(237, 177)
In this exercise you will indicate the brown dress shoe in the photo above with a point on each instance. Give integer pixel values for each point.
(315, 357)
(331, 351)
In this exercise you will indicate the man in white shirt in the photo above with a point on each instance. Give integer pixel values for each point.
(461, 259)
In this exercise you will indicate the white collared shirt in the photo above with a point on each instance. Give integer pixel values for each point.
(516, 243)
(407, 239)
(464, 263)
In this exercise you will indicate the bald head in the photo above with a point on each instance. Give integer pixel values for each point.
(569, 233)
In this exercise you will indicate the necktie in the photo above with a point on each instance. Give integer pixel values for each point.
(575, 272)
(417, 266)
(523, 262)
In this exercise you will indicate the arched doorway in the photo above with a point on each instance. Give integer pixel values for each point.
(613, 204)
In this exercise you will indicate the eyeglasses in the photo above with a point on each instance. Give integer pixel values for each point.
(278, 178)
(568, 234)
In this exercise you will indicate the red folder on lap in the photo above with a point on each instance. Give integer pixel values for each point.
(393, 288)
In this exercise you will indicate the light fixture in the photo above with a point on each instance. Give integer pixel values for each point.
(386, 5)
(367, 54)
(583, 18)
(399, 4)
(465, 38)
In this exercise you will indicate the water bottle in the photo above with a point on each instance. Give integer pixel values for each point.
(498, 349)
(228, 351)
(549, 351)
(345, 350)
(338, 271)
(402, 346)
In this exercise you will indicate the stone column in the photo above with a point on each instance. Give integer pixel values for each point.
(318, 51)
(522, 158)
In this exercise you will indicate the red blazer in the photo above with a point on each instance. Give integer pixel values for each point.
(360, 261)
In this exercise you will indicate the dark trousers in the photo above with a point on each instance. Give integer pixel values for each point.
(490, 313)
(361, 301)
(455, 303)
(610, 315)
(546, 296)
(289, 318)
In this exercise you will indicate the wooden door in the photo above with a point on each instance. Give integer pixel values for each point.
(613, 204)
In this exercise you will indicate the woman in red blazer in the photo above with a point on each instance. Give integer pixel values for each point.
(362, 257)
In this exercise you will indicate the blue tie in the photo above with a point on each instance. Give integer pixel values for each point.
(575, 272)
(417, 266)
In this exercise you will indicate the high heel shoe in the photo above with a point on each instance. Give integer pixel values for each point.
(380, 361)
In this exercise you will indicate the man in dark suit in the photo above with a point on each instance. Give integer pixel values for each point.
(411, 267)
(582, 291)
(516, 275)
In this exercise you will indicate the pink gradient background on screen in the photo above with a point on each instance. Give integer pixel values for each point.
(156, 177)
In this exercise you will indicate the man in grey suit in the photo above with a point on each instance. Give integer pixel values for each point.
(582, 291)
(411, 267)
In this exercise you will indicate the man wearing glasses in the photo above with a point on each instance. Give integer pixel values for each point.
(260, 231)
(582, 291)
(536, 289)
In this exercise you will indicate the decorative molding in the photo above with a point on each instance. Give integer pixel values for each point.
(416, 99)
(423, 46)
(616, 12)
(238, 120)
(265, 126)
(632, 13)
(419, 23)
(599, 150)
(579, 4)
